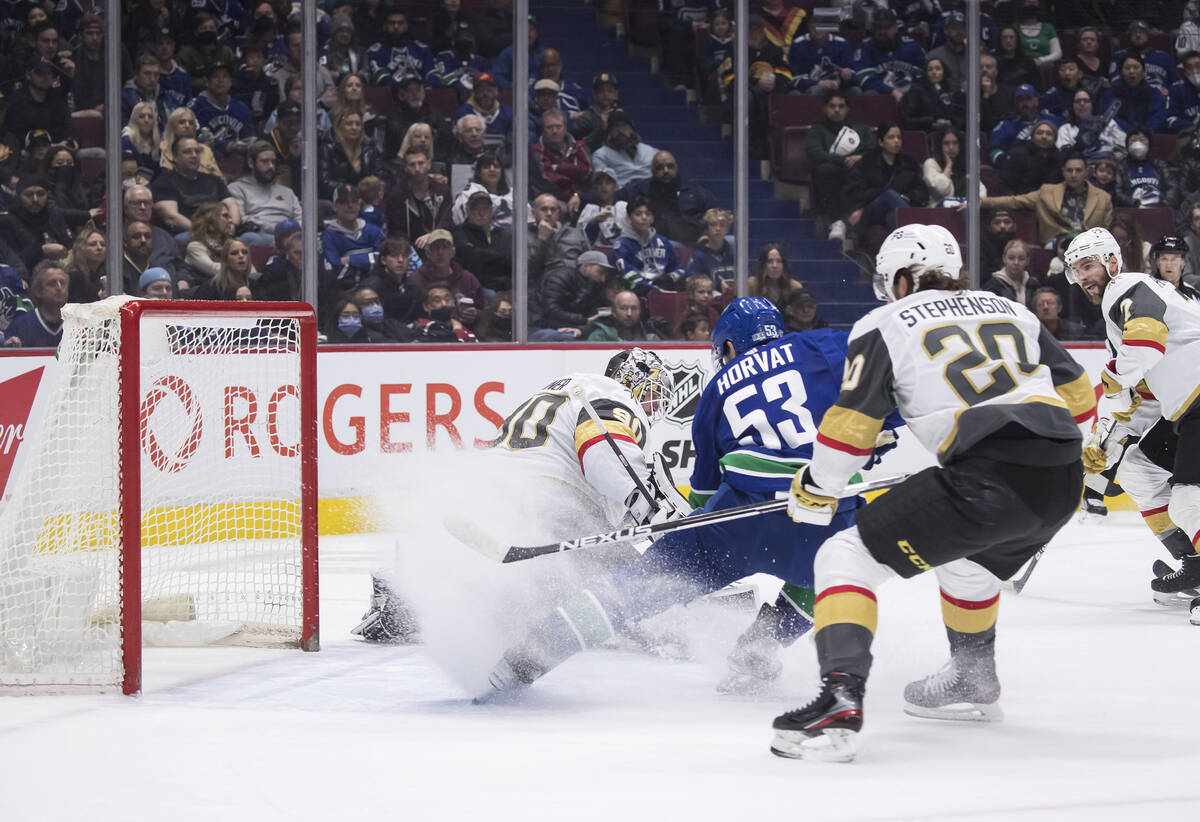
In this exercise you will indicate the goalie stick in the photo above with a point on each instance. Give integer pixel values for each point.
(471, 534)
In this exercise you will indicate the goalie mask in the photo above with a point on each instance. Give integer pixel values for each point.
(910, 249)
(646, 377)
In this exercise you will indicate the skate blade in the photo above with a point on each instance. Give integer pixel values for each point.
(959, 711)
(1179, 599)
(833, 745)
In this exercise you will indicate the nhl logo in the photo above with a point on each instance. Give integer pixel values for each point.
(689, 383)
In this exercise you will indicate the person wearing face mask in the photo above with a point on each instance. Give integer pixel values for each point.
(397, 54)
(1183, 109)
(1151, 181)
(206, 49)
(61, 171)
(496, 325)
(346, 326)
(456, 67)
(228, 14)
(375, 318)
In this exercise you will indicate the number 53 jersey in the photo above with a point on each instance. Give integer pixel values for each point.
(756, 420)
(962, 367)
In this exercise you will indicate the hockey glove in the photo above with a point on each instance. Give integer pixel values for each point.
(886, 441)
(1096, 446)
(665, 491)
(810, 503)
(664, 503)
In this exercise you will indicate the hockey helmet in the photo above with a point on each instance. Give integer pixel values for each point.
(647, 378)
(745, 323)
(1095, 242)
(914, 247)
(1169, 244)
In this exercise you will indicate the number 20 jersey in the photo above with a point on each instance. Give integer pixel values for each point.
(756, 420)
(961, 367)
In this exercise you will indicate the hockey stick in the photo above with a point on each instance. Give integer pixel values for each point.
(475, 537)
(1017, 584)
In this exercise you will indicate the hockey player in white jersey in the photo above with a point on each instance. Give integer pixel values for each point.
(983, 385)
(571, 479)
(1154, 332)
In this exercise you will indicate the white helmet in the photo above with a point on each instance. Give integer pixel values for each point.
(915, 246)
(1095, 242)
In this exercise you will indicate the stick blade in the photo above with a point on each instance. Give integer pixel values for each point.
(473, 535)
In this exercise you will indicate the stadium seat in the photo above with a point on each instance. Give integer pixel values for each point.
(669, 305)
(90, 168)
(915, 144)
(89, 131)
(949, 218)
(1153, 222)
(790, 160)
(233, 166)
(443, 100)
(1039, 261)
(379, 98)
(1162, 146)
(794, 110)
(641, 23)
(259, 254)
(873, 109)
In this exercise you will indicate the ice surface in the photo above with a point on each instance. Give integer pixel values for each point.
(1102, 720)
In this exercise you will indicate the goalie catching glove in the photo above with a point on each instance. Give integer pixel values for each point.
(665, 502)
(809, 503)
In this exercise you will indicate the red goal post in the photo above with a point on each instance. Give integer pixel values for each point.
(172, 486)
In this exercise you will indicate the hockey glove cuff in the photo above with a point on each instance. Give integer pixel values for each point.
(810, 503)
(1095, 447)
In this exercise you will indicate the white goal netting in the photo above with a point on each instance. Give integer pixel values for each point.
(217, 428)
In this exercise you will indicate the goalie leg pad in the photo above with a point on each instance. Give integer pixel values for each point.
(584, 614)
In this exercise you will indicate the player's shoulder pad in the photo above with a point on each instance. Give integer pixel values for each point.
(1121, 285)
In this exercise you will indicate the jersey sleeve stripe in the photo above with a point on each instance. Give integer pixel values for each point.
(1145, 331)
(1079, 395)
(587, 432)
(583, 447)
(846, 429)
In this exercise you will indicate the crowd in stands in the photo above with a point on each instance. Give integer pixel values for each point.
(1087, 119)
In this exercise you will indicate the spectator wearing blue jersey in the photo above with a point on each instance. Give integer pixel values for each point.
(229, 15)
(1058, 98)
(144, 87)
(888, 63)
(350, 244)
(502, 66)
(41, 327)
(1018, 128)
(226, 118)
(1159, 66)
(713, 256)
(572, 99)
(172, 77)
(457, 66)
(398, 53)
(1183, 109)
(1142, 105)
(643, 257)
(484, 102)
(716, 53)
(1151, 181)
(821, 61)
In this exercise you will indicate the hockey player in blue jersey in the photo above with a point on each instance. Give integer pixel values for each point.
(888, 63)
(755, 423)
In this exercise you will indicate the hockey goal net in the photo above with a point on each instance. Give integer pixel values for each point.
(171, 487)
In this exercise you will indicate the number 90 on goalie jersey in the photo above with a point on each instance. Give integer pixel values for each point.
(552, 435)
(960, 367)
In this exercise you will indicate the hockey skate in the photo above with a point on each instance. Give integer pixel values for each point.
(1194, 611)
(389, 620)
(754, 661)
(966, 688)
(1178, 588)
(826, 729)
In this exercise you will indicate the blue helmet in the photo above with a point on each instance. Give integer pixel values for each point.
(746, 322)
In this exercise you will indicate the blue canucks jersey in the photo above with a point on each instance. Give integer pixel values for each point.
(757, 418)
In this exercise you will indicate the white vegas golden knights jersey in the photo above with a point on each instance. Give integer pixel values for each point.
(959, 366)
(551, 436)
(1155, 332)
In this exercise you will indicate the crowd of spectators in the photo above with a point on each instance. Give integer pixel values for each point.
(415, 143)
